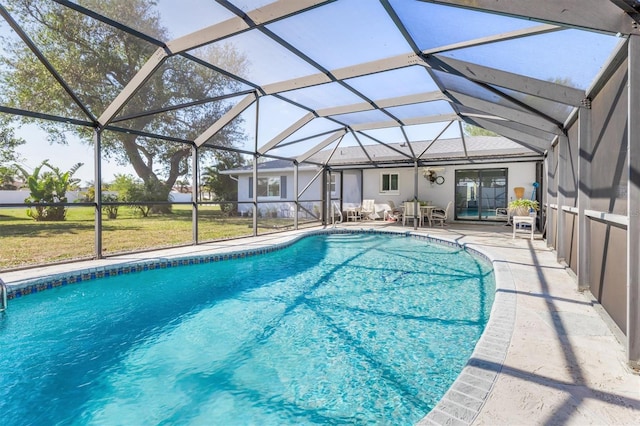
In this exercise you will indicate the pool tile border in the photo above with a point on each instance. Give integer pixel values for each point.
(460, 405)
(478, 377)
(35, 285)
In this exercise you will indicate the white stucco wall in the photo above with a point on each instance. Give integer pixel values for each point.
(519, 174)
(304, 177)
(13, 196)
(283, 206)
(72, 196)
(19, 196)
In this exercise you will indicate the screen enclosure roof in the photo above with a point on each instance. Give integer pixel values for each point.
(387, 81)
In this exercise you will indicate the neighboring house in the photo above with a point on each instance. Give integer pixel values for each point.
(476, 189)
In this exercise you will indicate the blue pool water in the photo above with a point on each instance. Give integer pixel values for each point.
(342, 328)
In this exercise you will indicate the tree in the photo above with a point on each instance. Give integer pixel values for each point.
(182, 186)
(48, 188)
(8, 145)
(110, 209)
(123, 183)
(8, 178)
(97, 61)
(470, 130)
(222, 187)
(207, 181)
(137, 194)
(8, 156)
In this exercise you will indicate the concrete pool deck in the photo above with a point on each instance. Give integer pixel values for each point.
(547, 357)
(563, 364)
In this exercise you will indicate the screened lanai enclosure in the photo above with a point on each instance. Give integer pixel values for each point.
(128, 124)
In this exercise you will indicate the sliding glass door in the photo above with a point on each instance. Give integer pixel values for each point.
(479, 193)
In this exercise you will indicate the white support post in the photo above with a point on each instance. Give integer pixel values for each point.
(324, 199)
(255, 170)
(633, 206)
(585, 153)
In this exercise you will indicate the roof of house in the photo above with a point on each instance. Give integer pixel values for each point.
(440, 151)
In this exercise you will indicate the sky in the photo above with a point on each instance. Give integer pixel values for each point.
(183, 21)
(63, 156)
(336, 35)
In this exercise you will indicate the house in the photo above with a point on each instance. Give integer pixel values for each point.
(477, 189)
(276, 189)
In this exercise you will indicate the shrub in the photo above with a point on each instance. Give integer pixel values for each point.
(140, 195)
(47, 188)
(111, 210)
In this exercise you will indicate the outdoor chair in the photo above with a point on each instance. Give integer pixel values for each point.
(502, 213)
(522, 221)
(353, 214)
(393, 213)
(441, 215)
(410, 213)
(369, 209)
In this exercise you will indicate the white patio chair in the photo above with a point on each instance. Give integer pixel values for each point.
(410, 213)
(393, 213)
(441, 215)
(369, 209)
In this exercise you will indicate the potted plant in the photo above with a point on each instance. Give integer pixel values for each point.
(522, 207)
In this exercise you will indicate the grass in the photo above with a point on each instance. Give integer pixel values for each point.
(25, 242)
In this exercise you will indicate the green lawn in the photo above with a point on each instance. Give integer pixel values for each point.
(25, 242)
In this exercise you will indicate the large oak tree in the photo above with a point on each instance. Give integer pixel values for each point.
(97, 61)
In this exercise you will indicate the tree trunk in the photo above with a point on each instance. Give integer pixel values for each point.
(144, 170)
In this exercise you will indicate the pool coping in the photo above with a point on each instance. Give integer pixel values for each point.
(462, 402)
(464, 399)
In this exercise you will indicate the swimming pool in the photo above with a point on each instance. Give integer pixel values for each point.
(339, 328)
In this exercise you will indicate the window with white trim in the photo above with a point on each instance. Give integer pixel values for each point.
(270, 187)
(389, 183)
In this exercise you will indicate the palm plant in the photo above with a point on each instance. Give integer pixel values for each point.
(48, 188)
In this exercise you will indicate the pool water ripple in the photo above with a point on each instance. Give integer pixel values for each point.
(344, 328)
